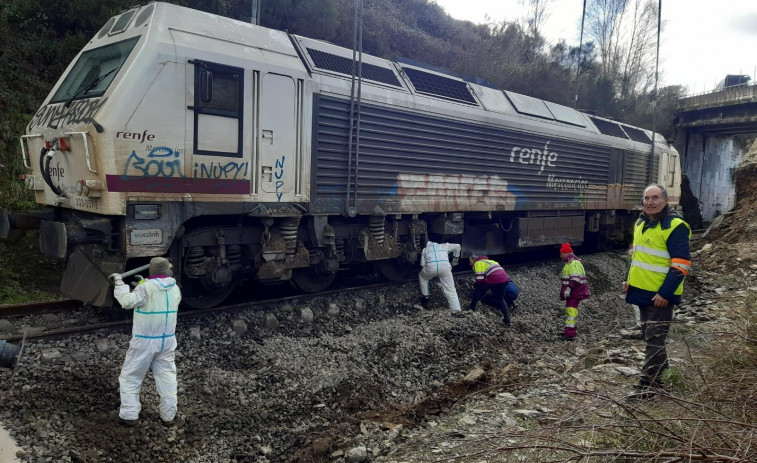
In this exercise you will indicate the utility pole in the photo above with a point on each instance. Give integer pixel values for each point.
(353, 153)
(654, 95)
(578, 63)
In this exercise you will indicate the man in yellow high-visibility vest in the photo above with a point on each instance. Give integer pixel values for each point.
(660, 261)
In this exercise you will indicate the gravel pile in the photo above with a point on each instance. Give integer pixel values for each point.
(330, 379)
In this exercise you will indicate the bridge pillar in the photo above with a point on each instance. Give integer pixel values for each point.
(710, 162)
(713, 132)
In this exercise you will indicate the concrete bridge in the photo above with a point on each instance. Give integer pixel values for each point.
(713, 132)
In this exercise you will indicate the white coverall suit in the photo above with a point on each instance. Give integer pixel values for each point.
(435, 262)
(155, 303)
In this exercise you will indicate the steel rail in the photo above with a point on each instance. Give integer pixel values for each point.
(195, 312)
(31, 308)
(199, 312)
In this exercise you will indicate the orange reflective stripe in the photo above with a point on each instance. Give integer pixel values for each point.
(681, 264)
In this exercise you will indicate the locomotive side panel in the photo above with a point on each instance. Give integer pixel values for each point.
(411, 162)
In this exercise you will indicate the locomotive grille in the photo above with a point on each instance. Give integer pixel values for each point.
(432, 84)
(343, 65)
(637, 135)
(440, 160)
(609, 128)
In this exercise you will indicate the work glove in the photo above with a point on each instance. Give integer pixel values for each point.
(567, 292)
(455, 261)
(116, 279)
(138, 280)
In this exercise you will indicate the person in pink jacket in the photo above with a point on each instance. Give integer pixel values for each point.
(490, 276)
(574, 289)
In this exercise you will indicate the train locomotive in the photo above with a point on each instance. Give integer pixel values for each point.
(245, 153)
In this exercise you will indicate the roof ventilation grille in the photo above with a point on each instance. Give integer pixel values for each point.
(342, 65)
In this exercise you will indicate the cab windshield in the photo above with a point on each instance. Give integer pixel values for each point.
(94, 71)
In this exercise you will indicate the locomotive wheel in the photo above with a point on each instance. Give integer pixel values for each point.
(198, 296)
(311, 279)
(394, 270)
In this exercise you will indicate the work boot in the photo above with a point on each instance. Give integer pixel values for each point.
(642, 393)
(177, 422)
(506, 317)
(424, 302)
(646, 390)
(114, 416)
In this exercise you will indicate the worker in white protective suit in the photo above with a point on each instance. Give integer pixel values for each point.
(435, 262)
(155, 302)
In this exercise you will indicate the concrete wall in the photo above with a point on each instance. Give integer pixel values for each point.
(710, 163)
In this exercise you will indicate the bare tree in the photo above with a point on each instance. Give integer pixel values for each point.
(625, 34)
(537, 13)
(603, 25)
(638, 69)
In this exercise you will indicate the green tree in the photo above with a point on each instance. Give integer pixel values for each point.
(313, 18)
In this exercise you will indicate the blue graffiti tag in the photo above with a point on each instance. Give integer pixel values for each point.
(231, 170)
(279, 174)
(156, 167)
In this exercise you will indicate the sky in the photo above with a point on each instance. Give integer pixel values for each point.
(701, 42)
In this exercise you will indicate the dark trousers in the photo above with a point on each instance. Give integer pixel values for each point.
(496, 298)
(655, 324)
(511, 294)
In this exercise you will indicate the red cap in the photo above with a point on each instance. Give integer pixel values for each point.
(565, 248)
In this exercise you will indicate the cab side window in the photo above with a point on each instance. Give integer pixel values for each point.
(218, 110)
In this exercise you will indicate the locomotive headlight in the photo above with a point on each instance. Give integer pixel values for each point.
(60, 144)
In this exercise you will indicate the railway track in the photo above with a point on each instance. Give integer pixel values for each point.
(33, 309)
(38, 308)
(20, 310)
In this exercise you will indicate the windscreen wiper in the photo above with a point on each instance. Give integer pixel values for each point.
(89, 87)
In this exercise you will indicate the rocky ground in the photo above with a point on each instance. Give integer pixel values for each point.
(372, 377)
(368, 371)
